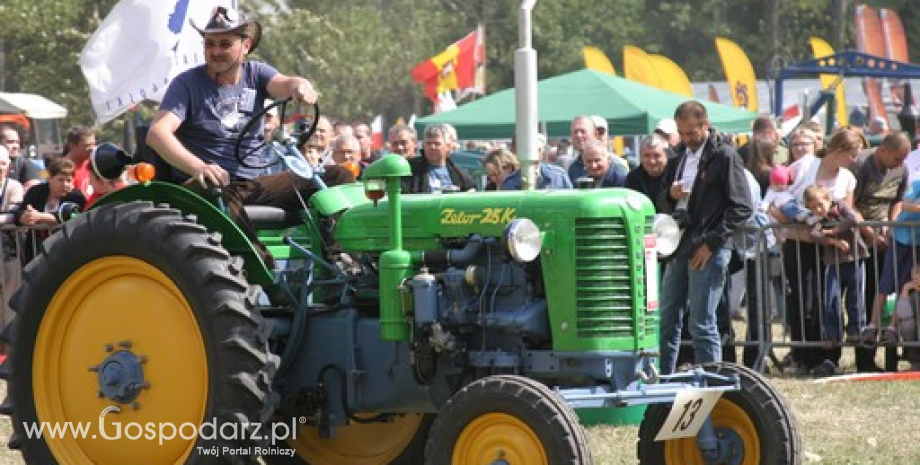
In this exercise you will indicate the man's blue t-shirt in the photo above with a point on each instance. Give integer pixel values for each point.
(212, 116)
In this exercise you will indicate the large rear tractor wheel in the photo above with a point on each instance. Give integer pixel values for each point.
(508, 420)
(755, 424)
(397, 442)
(135, 323)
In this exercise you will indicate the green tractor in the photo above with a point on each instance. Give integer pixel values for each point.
(394, 329)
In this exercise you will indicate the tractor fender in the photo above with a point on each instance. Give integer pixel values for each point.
(206, 213)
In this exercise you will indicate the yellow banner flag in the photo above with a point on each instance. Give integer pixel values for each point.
(638, 67)
(821, 49)
(739, 73)
(597, 60)
(671, 77)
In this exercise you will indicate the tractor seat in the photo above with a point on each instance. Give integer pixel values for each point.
(265, 217)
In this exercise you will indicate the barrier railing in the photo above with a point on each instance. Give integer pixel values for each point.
(816, 299)
(17, 245)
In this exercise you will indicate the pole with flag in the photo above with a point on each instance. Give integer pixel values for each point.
(139, 47)
(460, 67)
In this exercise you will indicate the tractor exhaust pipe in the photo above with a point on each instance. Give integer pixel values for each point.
(525, 83)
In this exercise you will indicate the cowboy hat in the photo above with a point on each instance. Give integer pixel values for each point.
(229, 20)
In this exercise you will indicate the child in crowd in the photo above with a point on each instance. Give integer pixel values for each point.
(101, 186)
(828, 219)
(778, 193)
(843, 256)
(905, 316)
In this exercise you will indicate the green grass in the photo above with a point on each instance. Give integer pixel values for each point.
(841, 423)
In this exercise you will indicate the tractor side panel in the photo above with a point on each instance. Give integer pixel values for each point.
(378, 373)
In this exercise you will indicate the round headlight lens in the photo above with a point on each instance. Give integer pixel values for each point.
(299, 166)
(523, 239)
(667, 234)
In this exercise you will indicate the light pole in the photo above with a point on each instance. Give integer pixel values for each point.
(907, 117)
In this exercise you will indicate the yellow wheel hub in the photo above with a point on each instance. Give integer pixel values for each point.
(725, 416)
(499, 436)
(120, 304)
(358, 443)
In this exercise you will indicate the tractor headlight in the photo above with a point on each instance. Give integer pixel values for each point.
(667, 234)
(523, 239)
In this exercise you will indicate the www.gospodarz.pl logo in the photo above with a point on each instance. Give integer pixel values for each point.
(166, 431)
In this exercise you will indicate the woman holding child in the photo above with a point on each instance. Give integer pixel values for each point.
(802, 258)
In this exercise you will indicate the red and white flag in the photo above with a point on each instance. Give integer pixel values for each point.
(377, 133)
(460, 68)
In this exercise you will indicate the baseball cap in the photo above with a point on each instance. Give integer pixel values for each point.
(599, 122)
(667, 126)
(780, 175)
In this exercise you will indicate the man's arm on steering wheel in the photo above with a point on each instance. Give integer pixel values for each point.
(296, 87)
(162, 138)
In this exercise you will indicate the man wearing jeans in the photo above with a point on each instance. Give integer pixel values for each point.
(709, 196)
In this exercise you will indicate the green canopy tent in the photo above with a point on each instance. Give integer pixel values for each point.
(630, 108)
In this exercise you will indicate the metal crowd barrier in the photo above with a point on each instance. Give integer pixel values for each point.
(17, 244)
(786, 292)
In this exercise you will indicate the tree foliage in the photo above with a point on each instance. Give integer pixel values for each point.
(359, 52)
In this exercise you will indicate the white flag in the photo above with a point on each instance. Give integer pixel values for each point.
(445, 102)
(138, 49)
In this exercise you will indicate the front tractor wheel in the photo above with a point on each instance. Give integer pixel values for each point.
(755, 425)
(397, 442)
(135, 323)
(509, 420)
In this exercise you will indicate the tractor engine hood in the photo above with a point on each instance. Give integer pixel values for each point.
(429, 218)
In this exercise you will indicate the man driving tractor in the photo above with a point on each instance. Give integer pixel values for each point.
(206, 107)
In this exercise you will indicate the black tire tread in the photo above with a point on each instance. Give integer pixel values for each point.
(239, 359)
(773, 416)
(558, 426)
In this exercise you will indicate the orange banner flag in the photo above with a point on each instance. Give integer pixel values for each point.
(739, 73)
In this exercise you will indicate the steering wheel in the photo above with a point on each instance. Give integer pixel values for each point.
(308, 127)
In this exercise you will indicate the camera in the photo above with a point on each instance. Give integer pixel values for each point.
(584, 182)
(66, 211)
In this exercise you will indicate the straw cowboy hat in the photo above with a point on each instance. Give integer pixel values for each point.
(231, 20)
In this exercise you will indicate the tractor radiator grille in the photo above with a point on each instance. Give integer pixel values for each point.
(604, 281)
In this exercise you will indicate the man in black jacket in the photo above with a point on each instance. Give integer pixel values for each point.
(708, 193)
(435, 172)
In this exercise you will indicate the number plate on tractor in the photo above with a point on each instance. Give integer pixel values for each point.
(690, 409)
